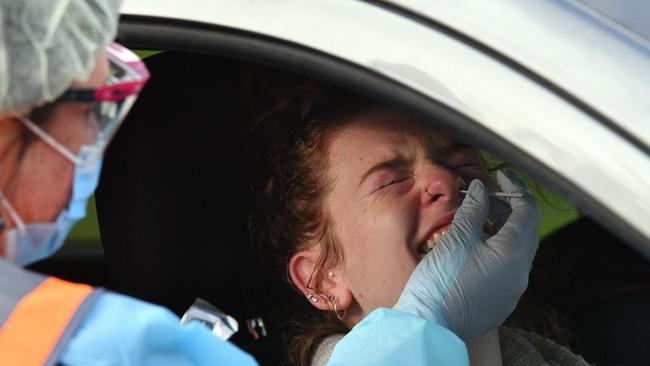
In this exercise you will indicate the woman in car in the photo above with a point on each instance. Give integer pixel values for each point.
(358, 194)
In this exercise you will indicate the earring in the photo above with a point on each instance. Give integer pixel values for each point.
(330, 274)
(332, 300)
(313, 298)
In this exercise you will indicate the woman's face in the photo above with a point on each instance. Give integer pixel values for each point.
(394, 185)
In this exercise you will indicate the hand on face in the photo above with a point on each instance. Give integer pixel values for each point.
(469, 284)
(395, 184)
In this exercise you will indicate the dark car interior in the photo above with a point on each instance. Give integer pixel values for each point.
(174, 202)
(173, 206)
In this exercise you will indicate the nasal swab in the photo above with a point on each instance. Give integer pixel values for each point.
(500, 194)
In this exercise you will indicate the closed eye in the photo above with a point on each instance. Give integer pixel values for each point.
(394, 181)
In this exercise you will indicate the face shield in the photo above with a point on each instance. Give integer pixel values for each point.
(109, 104)
(79, 132)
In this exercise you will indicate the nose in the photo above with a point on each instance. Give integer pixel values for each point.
(441, 186)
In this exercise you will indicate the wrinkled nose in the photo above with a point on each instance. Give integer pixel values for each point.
(440, 186)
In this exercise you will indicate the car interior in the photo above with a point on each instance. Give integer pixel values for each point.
(174, 200)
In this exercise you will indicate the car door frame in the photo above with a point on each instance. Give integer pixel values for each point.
(454, 91)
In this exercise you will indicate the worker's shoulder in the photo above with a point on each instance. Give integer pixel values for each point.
(13, 274)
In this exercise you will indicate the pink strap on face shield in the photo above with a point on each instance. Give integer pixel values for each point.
(128, 76)
(131, 63)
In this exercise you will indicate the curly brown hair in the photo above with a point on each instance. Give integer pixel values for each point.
(300, 118)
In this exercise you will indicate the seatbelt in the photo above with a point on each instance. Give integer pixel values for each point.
(40, 315)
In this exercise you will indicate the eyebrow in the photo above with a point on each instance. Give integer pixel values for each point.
(395, 163)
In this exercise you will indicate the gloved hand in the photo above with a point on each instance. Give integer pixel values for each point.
(120, 330)
(466, 283)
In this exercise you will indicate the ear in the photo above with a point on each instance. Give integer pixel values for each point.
(302, 267)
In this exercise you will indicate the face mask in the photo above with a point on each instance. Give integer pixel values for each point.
(28, 243)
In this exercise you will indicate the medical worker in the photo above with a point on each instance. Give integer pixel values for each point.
(64, 90)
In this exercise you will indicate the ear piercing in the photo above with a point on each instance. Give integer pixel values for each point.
(332, 300)
(313, 298)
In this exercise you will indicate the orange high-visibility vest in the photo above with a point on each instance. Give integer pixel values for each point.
(38, 315)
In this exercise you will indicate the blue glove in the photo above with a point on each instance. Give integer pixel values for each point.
(119, 330)
(388, 337)
(466, 283)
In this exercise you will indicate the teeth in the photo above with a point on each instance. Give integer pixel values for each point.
(436, 237)
(431, 242)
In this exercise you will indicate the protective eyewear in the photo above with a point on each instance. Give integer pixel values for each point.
(111, 102)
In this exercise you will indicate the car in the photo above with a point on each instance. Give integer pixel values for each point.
(559, 89)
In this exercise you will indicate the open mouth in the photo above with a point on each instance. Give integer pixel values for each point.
(425, 247)
(489, 229)
(438, 231)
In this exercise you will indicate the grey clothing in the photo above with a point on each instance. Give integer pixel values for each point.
(519, 348)
(324, 350)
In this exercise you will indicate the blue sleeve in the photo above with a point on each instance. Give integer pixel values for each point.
(119, 330)
(391, 337)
